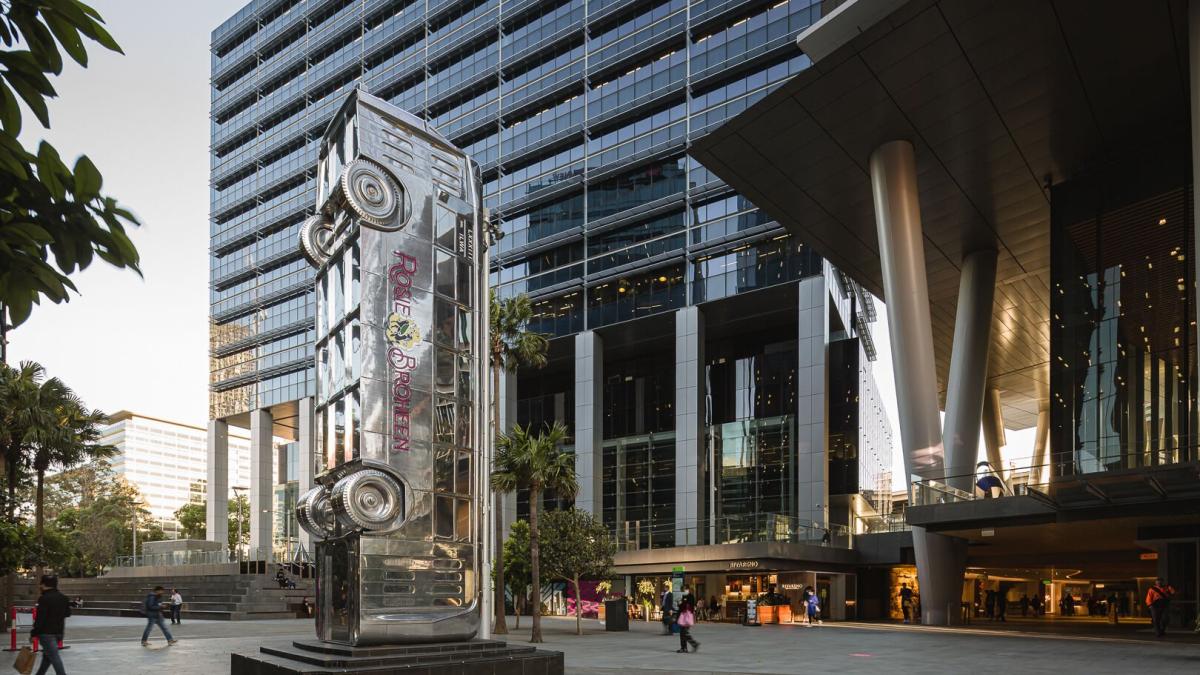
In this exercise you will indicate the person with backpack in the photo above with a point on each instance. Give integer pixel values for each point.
(53, 608)
(1158, 599)
(152, 607)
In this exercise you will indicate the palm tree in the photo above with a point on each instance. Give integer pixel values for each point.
(511, 346)
(72, 439)
(539, 464)
(21, 420)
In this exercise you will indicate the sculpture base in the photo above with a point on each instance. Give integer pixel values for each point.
(485, 657)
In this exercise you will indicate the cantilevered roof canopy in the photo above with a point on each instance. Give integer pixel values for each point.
(1000, 99)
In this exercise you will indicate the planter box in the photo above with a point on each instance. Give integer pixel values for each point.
(766, 614)
(784, 613)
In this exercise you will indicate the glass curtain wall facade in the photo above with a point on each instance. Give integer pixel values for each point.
(1122, 332)
(579, 113)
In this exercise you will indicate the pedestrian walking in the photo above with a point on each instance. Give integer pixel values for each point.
(176, 607)
(906, 602)
(1001, 605)
(152, 606)
(53, 608)
(814, 609)
(667, 606)
(1158, 599)
(686, 618)
(1024, 604)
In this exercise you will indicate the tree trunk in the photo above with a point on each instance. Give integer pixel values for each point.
(500, 626)
(40, 524)
(518, 605)
(578, 607)
(535, 496)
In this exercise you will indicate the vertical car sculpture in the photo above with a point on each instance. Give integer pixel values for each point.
(398, 240)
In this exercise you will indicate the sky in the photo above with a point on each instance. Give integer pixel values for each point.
(127, 342)
(141, 344)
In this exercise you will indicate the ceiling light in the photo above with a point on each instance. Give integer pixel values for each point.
(1162, 221)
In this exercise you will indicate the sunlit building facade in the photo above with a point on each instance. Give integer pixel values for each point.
(165, 461)
(691, 334)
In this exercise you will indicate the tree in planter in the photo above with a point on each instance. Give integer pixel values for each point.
(537, 463)
(576, 545)
(193, 520)
(517, 570)
(511, 346)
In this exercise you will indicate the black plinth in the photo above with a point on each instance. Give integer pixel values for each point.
(482, 657)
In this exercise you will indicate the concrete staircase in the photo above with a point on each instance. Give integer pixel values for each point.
(229, 597)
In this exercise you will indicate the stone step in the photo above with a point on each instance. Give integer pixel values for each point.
(477, 657)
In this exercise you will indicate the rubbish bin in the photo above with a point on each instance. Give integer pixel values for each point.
(616, 614)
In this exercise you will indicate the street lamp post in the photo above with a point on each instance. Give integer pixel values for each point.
(237, 494)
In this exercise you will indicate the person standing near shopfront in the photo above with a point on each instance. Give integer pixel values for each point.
(667, 606)
(1158, 599)
(906, 602)
(53, 608)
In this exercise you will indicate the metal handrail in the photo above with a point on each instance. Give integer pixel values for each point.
(633, 535)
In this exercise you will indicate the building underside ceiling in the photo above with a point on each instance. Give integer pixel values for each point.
(1000, 99)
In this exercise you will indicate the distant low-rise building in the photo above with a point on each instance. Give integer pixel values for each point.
(167, 462)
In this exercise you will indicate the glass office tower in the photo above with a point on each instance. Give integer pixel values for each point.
(579, 113)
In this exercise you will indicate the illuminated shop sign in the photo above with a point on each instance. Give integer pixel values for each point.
(743, 564)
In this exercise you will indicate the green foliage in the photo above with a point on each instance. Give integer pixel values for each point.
(193, 520)
(575, 545)
(512, 343)
(90, 513)
(47, 208)
(536, 462)
(16, 551)
(239, 509)
(518, 571)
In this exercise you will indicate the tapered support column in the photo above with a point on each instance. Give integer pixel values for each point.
(969, 366)
(994, 439)
(940, 559)
(690, 491)
(1193, 74)
(1041, 458)
(306, 461)
(261, 492)
(589, 397)
(217, 514)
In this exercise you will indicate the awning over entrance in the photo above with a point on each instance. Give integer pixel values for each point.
(1000, 99)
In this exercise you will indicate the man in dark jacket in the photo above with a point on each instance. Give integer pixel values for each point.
(153, 608)
(53, 608)
(667, 605)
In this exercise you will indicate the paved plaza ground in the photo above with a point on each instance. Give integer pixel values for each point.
(102, 645)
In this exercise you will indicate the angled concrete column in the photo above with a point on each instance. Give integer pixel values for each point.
(1041, 459)
(689, 427)
(306, 460)
(994, 439)
(217, 515)
(940, 560)
(1193, 76)
(969, 366)
(812, 461)
(262, 494)
(589, 397)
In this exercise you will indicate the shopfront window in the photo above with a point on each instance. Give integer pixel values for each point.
(1122, 322)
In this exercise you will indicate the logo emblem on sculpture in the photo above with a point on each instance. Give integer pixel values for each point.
(402, 331)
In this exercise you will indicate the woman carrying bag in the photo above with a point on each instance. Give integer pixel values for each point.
(686, 619)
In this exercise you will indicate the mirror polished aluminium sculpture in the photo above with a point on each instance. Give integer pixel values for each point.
(398, 240)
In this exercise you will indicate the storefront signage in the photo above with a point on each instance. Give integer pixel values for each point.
(743, 564)
(792, 587)
(1149, 556)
